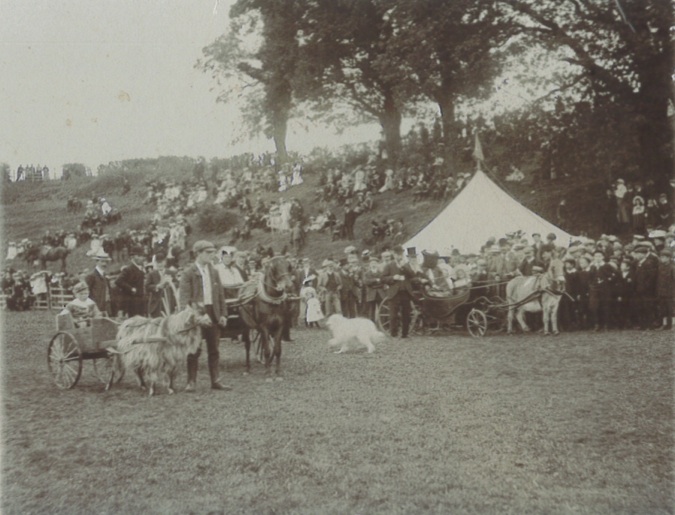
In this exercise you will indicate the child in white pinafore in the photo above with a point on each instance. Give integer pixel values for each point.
(314, 313)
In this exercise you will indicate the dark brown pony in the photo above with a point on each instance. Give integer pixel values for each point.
(53, 254)
(45, 254)
(268, 309)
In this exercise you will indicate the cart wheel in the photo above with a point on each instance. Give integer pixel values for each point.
(384, 316)
(476, 323)
(104, 368)
(64, 360)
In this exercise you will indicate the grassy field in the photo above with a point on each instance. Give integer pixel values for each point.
(581, 423)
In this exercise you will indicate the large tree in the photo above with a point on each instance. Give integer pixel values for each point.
(348, 58)
(621, 56)
(451, 52)
(264, 75)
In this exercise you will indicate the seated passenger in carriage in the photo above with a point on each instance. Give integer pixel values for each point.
(81, 308)
(230, 275)
(439, 284)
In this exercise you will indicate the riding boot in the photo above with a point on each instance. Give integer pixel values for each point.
(192, 366)
(213, 370)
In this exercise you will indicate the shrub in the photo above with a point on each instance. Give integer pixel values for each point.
(215, 219)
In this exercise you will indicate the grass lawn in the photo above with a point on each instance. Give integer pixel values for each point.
(581, 423)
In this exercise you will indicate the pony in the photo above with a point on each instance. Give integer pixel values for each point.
(53, 254)
(154, 347)
(534, 294)
(266, 308)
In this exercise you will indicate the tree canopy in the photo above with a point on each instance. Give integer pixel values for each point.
(381, 60)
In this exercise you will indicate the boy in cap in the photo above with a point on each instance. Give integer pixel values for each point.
(81, 308)
(200, 283)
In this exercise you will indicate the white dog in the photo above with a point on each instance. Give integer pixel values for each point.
(349, 330)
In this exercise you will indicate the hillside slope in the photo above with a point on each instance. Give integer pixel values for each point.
(30, 209)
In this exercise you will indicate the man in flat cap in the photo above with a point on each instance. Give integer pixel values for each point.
(200, 283)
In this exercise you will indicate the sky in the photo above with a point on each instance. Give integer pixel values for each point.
(97, 81)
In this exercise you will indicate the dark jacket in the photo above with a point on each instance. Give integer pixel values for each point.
(133, 301)
(665, 281)
(390, 270)
(99, 290)
(192, 290)
(646, 274)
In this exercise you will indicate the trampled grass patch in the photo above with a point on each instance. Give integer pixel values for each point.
(578, 423)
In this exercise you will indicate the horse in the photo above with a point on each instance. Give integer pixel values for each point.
(266, 308)
(53, 254)
(534, 294)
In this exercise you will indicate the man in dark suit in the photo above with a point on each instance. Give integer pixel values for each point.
(529, 262)
(646, 276)
(601, 284)
(200, 283)
(374, 288)
(99, 287)
(131, 284)
(398, 275)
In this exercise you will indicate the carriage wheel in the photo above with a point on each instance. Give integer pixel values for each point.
(64, 360)
(104, 368)
(476, 323)
(384, 316)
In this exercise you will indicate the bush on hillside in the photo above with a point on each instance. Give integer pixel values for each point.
(215, 219)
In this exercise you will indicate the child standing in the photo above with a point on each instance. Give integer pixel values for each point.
(314, 313)
(81, 308)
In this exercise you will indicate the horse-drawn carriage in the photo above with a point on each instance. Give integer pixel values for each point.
(475, 309)
(75, 342)
(466, 307)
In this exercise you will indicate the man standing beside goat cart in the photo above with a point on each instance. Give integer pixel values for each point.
(200, 283)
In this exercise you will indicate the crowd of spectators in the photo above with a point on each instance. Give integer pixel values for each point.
(636, 208)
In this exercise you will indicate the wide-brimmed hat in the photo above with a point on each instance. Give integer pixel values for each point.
(227, 250)
(659, 233)
(101, 255)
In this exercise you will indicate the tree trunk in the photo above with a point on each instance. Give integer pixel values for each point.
(390, 120)
(654, 131)
(446, 104)
(279, 135)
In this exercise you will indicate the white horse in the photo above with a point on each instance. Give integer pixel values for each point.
(534, 294)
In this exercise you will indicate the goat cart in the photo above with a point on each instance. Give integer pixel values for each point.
(75, 342)
(468, 308)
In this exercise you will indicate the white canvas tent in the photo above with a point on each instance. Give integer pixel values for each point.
(480, 211)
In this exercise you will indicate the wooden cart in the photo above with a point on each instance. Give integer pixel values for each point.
(74, 343)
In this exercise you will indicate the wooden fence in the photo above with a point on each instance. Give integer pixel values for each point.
(55, 299)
